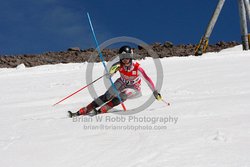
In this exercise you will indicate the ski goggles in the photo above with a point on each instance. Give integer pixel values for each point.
(125, 56)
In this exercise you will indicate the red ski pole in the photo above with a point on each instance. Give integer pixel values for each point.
(79, 90)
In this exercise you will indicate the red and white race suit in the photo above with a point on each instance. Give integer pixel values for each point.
(130, 81)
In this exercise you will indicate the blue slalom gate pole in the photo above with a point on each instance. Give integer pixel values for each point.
(103, 62)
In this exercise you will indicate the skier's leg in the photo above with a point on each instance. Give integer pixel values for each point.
(85, 110)
(127, 93)
(108, 95)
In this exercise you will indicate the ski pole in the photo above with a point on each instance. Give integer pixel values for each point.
(103, 62)
(79, 90)
(168, 104)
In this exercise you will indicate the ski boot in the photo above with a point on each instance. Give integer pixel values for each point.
(103, 109)
(82, 111)
(71, 114)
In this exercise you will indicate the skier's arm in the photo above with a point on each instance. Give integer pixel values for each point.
(146, 78)
(114, 68)
(150, 83)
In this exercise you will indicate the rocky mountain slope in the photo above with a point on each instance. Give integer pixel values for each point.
(76, 55)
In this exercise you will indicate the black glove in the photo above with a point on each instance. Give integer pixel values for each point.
(157, 95)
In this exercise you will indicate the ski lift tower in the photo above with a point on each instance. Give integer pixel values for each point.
(244, 12)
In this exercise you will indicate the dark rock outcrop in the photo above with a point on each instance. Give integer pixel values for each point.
(76, 55)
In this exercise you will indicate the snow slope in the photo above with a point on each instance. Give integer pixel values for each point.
(207, 123)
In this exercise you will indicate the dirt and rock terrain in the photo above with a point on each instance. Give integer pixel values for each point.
(77, 55)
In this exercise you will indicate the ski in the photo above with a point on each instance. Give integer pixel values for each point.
(91, 114)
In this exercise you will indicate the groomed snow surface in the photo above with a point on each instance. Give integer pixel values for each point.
(207, 123)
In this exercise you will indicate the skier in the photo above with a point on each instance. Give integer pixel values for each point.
(128, 85)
